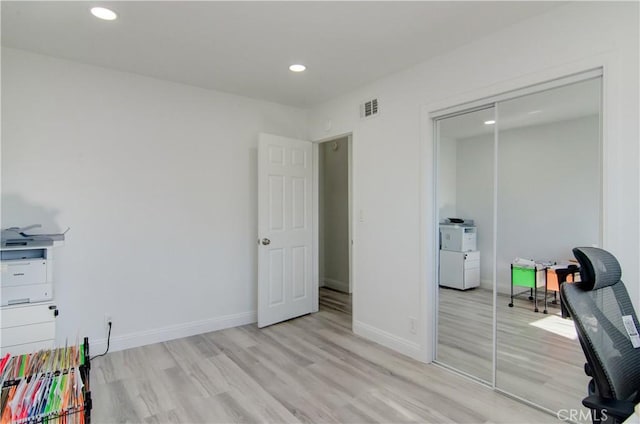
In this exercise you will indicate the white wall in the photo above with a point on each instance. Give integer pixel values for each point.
(544, 213)
(389, 176)
(474, 196)
(447, 177)
(548, 192)
(334, 228)
(156, 180)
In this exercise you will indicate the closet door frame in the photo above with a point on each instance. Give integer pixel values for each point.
(432, 114)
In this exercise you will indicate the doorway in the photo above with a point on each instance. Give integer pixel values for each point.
(296, 233)
(334, 228)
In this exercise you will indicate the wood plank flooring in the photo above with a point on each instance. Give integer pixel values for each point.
(308, 370)
(335, 300)
(533, 363)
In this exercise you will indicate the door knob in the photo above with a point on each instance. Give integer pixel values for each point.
(266, 241)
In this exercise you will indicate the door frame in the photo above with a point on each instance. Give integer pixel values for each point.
(316, 216)
(428, 178)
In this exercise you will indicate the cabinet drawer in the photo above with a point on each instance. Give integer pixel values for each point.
(28, 333)
(19, 272)
(471, 264)
(27, 347)
(472, 277)
(472, 256)
(25, 315)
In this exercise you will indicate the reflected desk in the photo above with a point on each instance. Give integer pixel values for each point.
(555, 276)
(542, 274)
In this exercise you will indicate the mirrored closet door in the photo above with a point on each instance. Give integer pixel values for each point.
(519, 185)
(549, 201)
(465, 200)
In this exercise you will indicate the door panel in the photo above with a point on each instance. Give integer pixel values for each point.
(298, 158)
(276, 203)
(284, 227)
(299, 264)
(276, 277)
(299, 200)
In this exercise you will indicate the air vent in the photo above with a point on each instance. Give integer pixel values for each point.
(369, 108)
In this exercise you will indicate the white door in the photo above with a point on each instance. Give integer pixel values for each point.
(284, 229)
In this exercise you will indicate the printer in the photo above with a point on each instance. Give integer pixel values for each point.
(16, 237)
(26, 264)
(458, 236)
(459, 266)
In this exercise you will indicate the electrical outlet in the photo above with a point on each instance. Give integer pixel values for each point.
(107, 319)
(412, 325)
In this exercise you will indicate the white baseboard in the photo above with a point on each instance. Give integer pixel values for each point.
(336, 285)
(406, 347)
(157, 335)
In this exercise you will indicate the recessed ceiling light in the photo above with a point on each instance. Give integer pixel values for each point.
(534, 112)
(103, 13)
(490, 122)
(297, 68)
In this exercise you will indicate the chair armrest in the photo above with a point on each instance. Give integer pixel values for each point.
(619, 409)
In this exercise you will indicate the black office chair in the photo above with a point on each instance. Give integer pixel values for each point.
(597, 304)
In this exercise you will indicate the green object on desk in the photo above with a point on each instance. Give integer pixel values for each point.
(524, 277)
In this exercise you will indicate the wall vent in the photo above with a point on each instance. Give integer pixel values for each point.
(369, 108)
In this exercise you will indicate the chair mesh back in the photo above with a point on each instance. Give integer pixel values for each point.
(606, 344)
(598, 268)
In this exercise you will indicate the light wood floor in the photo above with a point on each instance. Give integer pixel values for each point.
(533, 363)
(336, 301)
(309, 370)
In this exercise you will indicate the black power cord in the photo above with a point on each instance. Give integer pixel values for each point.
(108, 340)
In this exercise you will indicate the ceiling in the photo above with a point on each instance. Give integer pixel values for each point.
(559, 104)
(245, 48)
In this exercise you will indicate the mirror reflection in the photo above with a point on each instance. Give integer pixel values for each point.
(541, 154)
(465, 314)
(549, 201)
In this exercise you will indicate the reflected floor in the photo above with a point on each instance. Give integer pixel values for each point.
(539, 356)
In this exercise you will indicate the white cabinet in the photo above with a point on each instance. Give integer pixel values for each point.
(27, 327)
(28, 314)
(459, 270)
